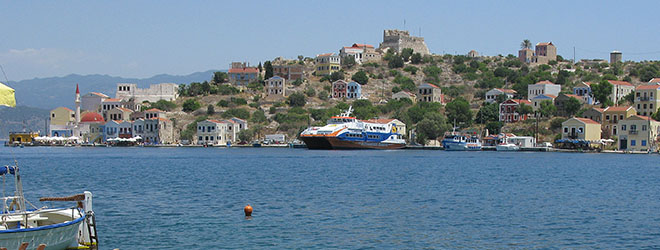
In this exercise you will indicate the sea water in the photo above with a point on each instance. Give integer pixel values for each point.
(193, 198)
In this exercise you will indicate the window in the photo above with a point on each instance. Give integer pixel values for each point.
(620, 117)
(643, 142)
(632, 143)
(580, 130)
(607, 117)
(200, 138)
(623, 127)
(643, 127)
(565, 130)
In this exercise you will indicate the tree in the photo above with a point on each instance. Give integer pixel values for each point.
(494, 127)
(268, 67)
(245, 135)
(259, 67)
(547, 109)
(488, 113)
(296, 100)
(416, 58)
(348, 61)
(656, 115)
(300, 58)
(191, 105)
(210, 110)
(459, 110)
(164, 105)
(602, 91)
(524, 109)
(310, 92)
(526, 44)
(337, 75)
(572, 106)
(395, 62)
(258, 116)
(432, 126)
(406, 54)
(360, 77)
(219, 77)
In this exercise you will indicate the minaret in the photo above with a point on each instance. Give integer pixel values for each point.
(77, 105)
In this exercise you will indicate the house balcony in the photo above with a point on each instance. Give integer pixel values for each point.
(644, 99)
(572, 136)
(633, 132)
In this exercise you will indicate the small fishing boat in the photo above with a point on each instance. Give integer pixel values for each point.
(56, 228)
(457, 142)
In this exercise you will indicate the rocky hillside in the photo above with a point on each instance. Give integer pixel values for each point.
(463, 81)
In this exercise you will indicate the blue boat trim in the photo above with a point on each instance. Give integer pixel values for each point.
(45, 227)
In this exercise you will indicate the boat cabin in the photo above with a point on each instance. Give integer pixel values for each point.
(341, 119)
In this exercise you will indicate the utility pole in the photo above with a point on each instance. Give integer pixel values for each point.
(574, 55)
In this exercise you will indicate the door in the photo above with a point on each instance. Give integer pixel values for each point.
(623, 144)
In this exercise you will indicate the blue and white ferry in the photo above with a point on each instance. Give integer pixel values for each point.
(347, 132)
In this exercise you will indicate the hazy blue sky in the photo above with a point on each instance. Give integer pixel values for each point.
(144, 38)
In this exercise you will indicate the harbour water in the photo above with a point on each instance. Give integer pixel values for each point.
(192, 198)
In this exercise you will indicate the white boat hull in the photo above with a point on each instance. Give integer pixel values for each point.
(56, 236)
(507, 147)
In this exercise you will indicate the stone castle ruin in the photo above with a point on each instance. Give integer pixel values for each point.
(401, 39)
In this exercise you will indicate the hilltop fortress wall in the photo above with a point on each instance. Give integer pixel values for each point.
(401, 39)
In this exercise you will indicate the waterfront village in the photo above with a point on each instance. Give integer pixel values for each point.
(537, 98)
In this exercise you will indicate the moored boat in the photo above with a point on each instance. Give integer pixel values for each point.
(347, 132)
(56, 228)
(457, 142)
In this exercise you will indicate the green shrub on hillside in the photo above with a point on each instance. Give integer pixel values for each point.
(191, 105)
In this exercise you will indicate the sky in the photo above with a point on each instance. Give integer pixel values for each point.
(144, 38)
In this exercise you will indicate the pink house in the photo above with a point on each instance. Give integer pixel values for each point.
(509, 110)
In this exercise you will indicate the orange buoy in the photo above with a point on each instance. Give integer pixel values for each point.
(248, 210)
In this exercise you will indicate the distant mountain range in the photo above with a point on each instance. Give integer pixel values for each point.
(52, 92)
(22, 118)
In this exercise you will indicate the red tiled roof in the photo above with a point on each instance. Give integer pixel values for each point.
(510, 91)
(381, 121)
(544, 44)
(617, 108)
(112, 100)
(326, 54)
(588, 83)
(586, 120)
(362, 45)
(99, 94)
(244, 70)
(648, 87)
(124, 109)
(215, 121)
(154, 110)
(545, 82)
(519, 101)
(644, 117)
(67, 109)
(91, 117)
(574, 96)
(599, 109)
(432, 85)
(160, 119)
(654, 80)
(619, 83)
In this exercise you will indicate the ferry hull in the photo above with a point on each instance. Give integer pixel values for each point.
(324, 142)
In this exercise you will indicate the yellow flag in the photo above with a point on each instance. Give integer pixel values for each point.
(7, 97)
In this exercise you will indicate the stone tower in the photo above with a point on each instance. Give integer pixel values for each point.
(401, 39)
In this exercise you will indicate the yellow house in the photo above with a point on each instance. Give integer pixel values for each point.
(22, 137)
(580, 128)
(646, 99)
(62, 116)
(327, 64)
(638, 133)
(611, 118)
